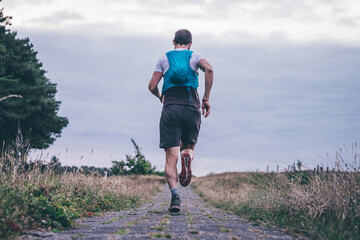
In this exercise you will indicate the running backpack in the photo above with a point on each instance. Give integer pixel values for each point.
(179, 73)
(179, 66)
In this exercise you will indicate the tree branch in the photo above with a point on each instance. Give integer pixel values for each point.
(9, 96)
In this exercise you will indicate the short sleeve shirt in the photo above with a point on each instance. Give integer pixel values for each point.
(162, 64)
(180, 95)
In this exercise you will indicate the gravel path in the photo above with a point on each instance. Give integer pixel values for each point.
(196, 221)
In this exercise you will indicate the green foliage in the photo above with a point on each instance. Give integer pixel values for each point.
(324, 226)
(133, 165)
(55, 167)
(49, 211)
(320, 207)
(4, 20)
(21, 73)
(300, 177)
(42, 196)
(10, 200)
(46, 208)
(121, 231)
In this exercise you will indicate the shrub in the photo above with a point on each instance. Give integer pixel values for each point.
(324, 206)
(41, 198)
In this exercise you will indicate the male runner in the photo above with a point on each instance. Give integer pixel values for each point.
(180, 118)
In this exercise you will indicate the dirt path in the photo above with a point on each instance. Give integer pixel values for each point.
(195, 221)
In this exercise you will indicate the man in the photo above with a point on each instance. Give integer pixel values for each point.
(180, 118)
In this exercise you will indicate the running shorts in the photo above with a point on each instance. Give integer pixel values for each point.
(179, 123)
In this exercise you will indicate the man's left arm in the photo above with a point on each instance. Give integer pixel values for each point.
(153, 85)
(209, 75)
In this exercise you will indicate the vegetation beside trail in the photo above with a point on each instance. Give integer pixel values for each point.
(320, 206)
(28, 105)
(40, 195)
(41, 198)
(134, 164)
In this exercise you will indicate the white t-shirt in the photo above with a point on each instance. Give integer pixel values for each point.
(162, 64)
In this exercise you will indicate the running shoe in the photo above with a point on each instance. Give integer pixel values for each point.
(185, 175)
(175, 204)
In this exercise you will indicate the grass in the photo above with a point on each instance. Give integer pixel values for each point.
(41, 199)
(160, 235)
(162, 225)
(209, 216)
(189, 219)
(132, 223)
(113, 220)
(156, 211)
(122, 231)
(324, 206)
(225, 230)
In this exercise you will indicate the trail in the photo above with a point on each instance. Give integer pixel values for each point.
(197, 220)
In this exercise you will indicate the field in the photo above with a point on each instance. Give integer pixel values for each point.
(319, 205)
(323, 206)
(40, 198)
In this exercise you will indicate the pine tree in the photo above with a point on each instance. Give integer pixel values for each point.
(133, 165)
(33, 113)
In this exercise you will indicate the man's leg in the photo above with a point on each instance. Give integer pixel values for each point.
(171, 175)
(186, 146)
(172, 155)
(187, 150)
(190, 132)
(187, 155)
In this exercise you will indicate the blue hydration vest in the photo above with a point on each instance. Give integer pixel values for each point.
(180, 73)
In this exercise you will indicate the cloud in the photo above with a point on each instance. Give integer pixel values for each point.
(59, 18)
(282, 97)
(271, 100)
(348, 22)
(305, 21)
(15, 3)
(274, 99)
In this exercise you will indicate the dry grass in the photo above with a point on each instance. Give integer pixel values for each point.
(326, 206)
(137, 186)
(39, 198)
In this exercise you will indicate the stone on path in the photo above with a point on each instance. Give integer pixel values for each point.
(195, 221)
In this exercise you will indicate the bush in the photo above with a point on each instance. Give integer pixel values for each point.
(133, 165)
(324, 206)
(42, 198)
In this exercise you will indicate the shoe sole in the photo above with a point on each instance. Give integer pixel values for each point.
(185, 175)
(174, 209)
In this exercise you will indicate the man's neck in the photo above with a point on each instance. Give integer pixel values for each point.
(186, 46)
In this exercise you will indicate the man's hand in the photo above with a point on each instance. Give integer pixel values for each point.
(206, 108)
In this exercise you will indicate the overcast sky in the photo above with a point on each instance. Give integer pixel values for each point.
(286, 84)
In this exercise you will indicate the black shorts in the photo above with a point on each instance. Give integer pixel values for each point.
(179, 123)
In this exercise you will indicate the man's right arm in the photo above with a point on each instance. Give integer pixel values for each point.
(209, 75)
(153, 85)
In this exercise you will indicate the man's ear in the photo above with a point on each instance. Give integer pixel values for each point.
(189, 46)
(174, 43)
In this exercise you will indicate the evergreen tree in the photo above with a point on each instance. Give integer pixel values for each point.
(133, 165)
(33, 114)
(139, 164)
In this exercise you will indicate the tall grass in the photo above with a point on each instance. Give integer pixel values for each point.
(324, 206)
(39, 198)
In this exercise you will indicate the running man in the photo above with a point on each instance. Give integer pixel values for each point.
(181, 117)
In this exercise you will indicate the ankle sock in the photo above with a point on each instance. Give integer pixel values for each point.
(174, 192)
